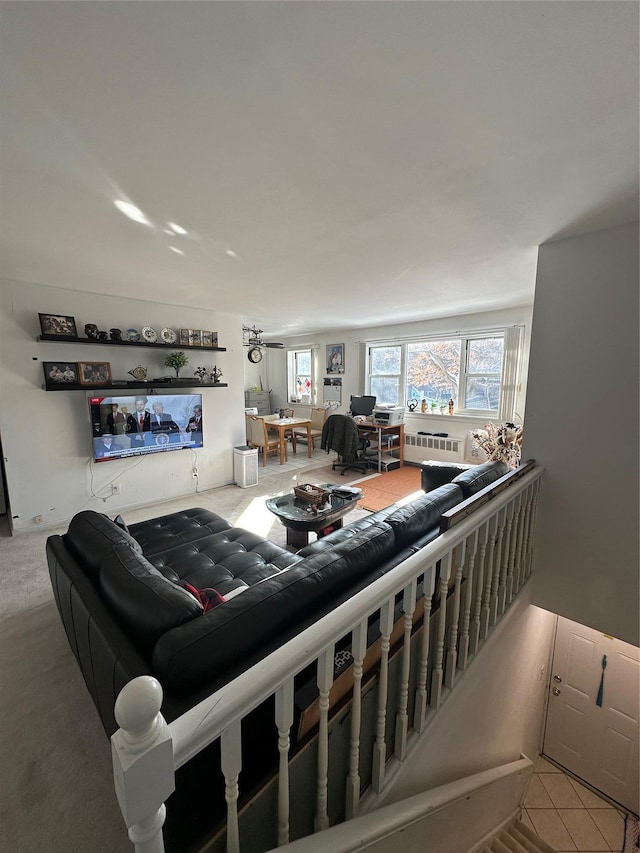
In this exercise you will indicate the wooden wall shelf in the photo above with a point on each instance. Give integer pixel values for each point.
(62, 340)
(130, 386)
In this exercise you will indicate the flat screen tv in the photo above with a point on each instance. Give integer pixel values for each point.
(135, 424)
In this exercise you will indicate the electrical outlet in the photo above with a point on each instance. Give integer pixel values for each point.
(195, 473)
(115, 488)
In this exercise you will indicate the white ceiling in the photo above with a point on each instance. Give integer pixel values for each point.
(367, 162)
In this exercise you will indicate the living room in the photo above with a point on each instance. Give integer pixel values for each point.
(329, 197)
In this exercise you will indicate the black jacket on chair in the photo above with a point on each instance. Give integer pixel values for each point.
(340, 433)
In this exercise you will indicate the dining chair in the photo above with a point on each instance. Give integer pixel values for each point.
(318, 417)
(259, 437)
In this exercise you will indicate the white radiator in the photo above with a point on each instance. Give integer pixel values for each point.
(472, 453)
(420, 447)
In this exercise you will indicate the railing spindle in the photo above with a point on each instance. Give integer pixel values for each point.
(485, 616)
(380, 745)
(474, 628)
(513, 544)
(459, 556)
(284, 721)
(402, 717)
(325, 681)
(358, 650)
(231, 763)
(497, 563)
(463, 645)
(504, 562)
(436, 674)
(420, 708)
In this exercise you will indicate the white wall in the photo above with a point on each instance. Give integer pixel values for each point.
(46, 436)
(495, 713)
(582, 425)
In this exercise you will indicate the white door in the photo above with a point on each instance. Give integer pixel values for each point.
(597, 742)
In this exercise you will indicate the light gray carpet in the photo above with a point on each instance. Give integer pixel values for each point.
(56, 792)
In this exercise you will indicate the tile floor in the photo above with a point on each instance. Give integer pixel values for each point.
(569, 816)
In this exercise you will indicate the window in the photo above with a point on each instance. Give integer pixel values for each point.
(477, 370)
(299, 376)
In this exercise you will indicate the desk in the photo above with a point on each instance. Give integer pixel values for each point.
(396, 429)
(283, 424)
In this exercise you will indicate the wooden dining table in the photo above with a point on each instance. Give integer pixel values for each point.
(284, 424)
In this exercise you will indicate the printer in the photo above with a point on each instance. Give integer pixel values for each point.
(388, 415)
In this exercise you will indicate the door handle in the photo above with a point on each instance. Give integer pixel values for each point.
(557, 678)
(556, 691)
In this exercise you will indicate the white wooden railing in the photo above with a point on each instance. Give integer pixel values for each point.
(487, 558)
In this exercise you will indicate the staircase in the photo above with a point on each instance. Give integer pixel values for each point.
(517, 838)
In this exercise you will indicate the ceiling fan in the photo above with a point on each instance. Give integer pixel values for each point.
(252, 338)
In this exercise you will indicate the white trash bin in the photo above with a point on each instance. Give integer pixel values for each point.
(245, 466)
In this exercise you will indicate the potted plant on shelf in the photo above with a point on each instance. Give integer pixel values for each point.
(177, 360)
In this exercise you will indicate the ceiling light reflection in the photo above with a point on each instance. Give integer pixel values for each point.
(231, 253)
(177, 229)
(131, 211)
(176, 250)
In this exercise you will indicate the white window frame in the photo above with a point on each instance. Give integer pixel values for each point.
(292, 373)
(512, 337)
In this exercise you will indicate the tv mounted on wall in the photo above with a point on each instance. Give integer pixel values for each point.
(136, 424)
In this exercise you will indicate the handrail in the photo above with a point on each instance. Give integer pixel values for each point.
(360, 832)
(482, 563)
(202, 724)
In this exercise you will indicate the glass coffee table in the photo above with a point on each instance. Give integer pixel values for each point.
(300, 519)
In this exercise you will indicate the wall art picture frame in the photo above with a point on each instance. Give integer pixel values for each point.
(335, 358)
(207, 338)
(94, 372)
(184, 337)
(195, 337)
(60, 372)
(58, 325)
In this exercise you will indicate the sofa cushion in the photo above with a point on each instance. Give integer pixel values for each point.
(342, 534)
(479, 477)
(422, 515)
(144, 602)
(272, 611)
(224, 560)
(90, 535)
(434, 474)
(167, 531)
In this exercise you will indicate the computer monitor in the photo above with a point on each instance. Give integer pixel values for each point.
(362, 404)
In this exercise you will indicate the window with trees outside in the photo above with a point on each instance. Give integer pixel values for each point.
(476, 371)
(299, 376)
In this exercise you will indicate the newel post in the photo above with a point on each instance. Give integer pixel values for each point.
(142, 754)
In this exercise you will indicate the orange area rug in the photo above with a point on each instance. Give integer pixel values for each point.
(378, 492)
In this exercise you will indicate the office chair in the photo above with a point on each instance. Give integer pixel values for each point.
(341, 434)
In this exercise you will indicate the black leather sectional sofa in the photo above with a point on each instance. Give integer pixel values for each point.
(120, 591)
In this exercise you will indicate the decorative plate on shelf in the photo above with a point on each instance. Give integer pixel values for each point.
(132, 335)
(150, 335)
(168, 336)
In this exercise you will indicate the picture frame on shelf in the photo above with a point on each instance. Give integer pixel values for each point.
(60, 372)
(195, 337)
(335, 358)
(94, 372)
(207, 338)
(184, 337)
(58, 325)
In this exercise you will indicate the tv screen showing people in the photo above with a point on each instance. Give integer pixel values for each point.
(131, 425)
